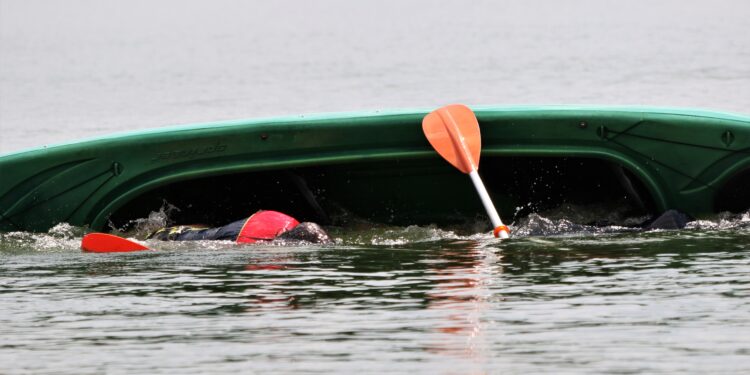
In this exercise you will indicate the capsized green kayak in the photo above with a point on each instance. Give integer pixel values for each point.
(379, 167)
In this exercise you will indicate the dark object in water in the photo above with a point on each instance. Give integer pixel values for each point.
(670, 219)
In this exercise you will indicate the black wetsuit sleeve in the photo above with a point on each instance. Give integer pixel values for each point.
(228, 232)
(197, 235)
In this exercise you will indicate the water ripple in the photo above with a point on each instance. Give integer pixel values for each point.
(604, 302)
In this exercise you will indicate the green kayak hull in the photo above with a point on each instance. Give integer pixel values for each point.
(378, 167)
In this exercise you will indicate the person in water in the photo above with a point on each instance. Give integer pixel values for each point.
(262, 226)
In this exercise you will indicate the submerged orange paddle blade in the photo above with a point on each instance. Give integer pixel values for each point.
(108, 243)
(453, 131)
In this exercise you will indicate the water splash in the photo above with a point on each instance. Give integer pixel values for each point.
(724, 220)
(65, 237)
(60, 238)
(142, 227)
(392, 236)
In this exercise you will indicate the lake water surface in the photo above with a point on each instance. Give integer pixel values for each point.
(553, 299)
(397, 300)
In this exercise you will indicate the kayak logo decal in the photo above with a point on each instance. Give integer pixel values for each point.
(189, 153)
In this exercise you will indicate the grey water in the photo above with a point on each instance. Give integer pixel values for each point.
(555, 298)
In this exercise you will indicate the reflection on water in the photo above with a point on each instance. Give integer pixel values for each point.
(460, 290)
(628, 302)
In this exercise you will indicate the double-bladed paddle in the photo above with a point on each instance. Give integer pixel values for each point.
(453, 131)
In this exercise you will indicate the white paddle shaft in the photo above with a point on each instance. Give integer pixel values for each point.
(487, 202)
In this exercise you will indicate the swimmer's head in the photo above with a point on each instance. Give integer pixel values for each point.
(308, 232)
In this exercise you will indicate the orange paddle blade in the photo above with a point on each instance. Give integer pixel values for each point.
(453, 131)
(108, 243)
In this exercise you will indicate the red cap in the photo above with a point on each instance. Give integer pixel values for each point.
(265, 225)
